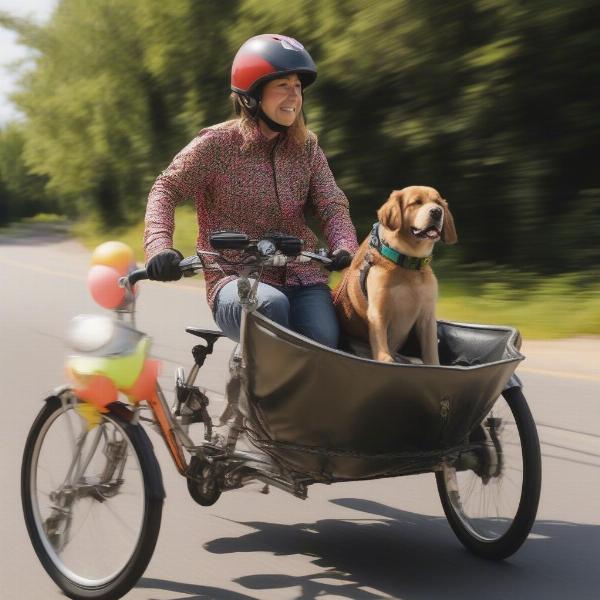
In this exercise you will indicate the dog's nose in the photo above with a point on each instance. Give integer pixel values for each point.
(435, 213)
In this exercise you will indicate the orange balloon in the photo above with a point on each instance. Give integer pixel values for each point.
(145, 384)
(114, 254)
(103, 283)
(98, 390)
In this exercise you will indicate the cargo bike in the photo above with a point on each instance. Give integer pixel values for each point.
(297, 413)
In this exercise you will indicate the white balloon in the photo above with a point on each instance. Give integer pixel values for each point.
(90, 332)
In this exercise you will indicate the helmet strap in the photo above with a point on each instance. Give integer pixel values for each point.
(272, 125)
(252, 103)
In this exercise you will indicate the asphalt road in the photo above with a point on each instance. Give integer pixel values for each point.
(379, 539)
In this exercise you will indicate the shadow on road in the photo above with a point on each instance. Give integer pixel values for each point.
(197, 592)
(407, 555)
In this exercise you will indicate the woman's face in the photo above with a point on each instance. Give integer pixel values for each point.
(282, 99)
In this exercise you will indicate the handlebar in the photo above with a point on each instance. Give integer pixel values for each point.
(135, 276)
(276, 250)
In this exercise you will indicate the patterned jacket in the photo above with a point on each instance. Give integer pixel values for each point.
(244, 182)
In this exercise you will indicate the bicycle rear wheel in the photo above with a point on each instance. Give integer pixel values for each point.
(92, 498)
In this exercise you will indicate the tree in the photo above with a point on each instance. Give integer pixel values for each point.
(479, 98)
(22, 194)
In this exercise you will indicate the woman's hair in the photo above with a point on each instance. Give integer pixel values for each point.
(297, 130)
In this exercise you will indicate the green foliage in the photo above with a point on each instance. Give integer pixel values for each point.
(493, 102)
(93, 233)
(85, 107)
(46, 218)
(22, 194)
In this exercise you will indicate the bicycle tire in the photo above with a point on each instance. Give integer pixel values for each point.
(123, 580)
(506, 544)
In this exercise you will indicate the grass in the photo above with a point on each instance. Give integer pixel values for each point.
(541, 307)
(92, 235)
(546, 306)
(45, 218)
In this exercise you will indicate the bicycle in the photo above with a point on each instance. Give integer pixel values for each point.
(92, 488)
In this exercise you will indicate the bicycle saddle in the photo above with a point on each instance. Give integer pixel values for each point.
(209, 335)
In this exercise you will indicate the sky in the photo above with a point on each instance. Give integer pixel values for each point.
(10, 51)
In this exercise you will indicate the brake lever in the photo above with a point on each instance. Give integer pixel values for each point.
(316, 256)
(203, 256)
(189, 262)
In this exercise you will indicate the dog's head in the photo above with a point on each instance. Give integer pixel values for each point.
(418, 214)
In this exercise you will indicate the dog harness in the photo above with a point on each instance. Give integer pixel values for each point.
(402, 260)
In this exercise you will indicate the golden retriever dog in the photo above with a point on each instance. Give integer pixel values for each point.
(390, 288)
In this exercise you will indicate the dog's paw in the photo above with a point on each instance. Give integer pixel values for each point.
(403, 360)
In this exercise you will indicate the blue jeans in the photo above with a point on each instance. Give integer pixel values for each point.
(307, 310)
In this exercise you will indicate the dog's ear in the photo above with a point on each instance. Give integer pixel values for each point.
(390, 214)
(448, 230)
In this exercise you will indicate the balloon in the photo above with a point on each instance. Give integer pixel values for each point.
(114, 254)
(103, 283)
(98, 390)
(145, 385)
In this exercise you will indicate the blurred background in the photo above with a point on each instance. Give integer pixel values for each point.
(496, 103)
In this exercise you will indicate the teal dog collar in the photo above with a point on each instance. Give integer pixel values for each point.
(408, 262)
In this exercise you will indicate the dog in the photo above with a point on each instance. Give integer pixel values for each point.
(390, 288)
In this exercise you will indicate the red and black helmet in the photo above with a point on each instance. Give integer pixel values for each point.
(268, 56)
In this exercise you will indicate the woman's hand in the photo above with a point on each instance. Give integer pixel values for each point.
(340, 259)
(164, 266)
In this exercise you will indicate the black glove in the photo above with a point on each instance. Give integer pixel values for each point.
(164, 266)
(340, 259)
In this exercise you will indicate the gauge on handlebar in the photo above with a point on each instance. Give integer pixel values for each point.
(286, 244)
(266, 248)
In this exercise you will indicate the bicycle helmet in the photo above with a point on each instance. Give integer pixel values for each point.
(268, 56)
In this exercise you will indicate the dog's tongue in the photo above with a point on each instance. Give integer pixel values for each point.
(432, 233)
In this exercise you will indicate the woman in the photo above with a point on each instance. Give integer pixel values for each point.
(255, 174)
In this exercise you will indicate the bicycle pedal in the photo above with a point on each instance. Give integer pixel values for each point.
(189, 419)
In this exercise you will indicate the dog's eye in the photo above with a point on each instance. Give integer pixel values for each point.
(418, 202)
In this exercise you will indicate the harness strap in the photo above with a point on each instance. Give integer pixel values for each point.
(364, 271)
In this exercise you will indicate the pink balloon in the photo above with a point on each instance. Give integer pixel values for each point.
(103, 283)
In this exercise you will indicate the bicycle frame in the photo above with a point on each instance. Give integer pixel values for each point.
(233, 467)
(173, 432)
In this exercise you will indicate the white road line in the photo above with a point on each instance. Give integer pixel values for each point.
(560, 374)
(65, 275)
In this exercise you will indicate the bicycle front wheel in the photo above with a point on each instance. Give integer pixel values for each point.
(92, 498)
(491, 505)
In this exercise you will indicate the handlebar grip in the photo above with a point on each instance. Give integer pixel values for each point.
(137, 275)
(229, 240)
